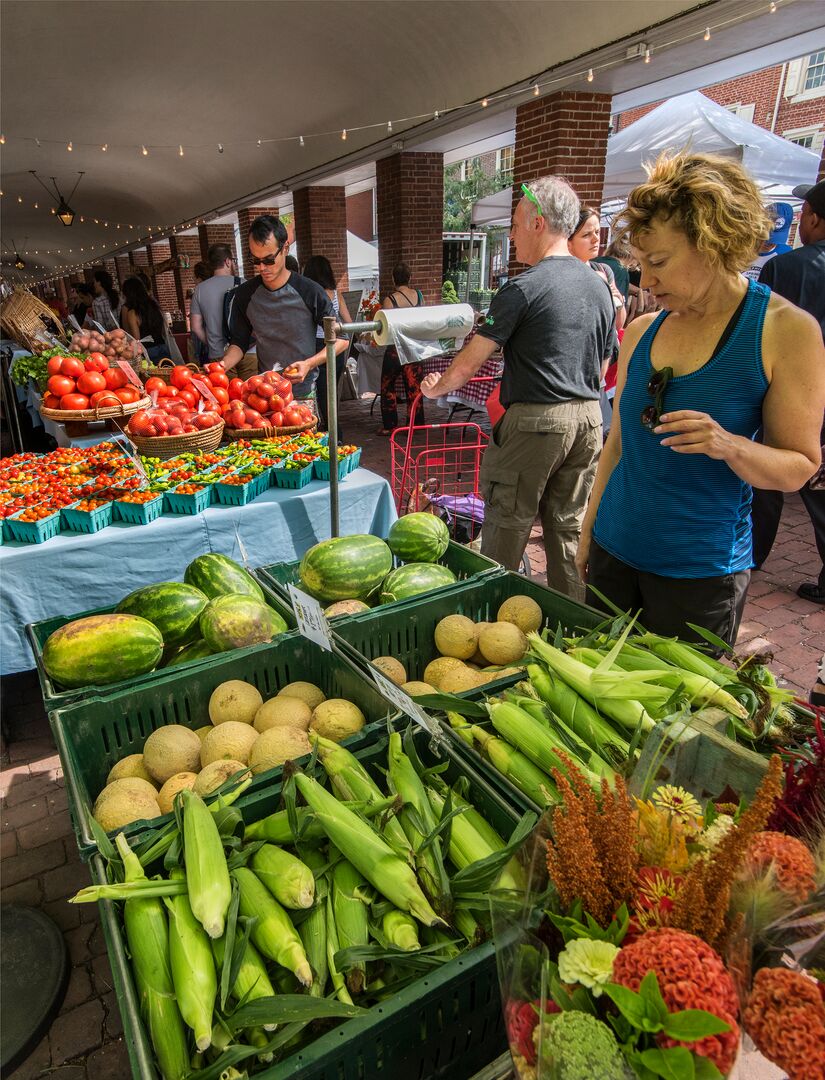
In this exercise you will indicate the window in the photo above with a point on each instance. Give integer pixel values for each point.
(811, 137)
(744, 112)
(802, 140)
(505, 159)
(815, 75)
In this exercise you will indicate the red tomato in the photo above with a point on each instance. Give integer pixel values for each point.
(60, 385)
(235, 389)
(174, 426)
(253, 418)
(190, 397)
(276, 403)
(54, 365)
(128, 395)
(287, 396)
(181, 377)
(215, 365)
(115, 378)
(265, 390)
(160, 422)
(51, 401)
(105, 399)
(260, 404)
(90, 382)
(253, 383)
(74, 402)
(154, 384)
(189, 427)
(140, 422)
(169, 391)
(97, 362)
(72, 367)
(292, 418)
(220, 395)
(277, 418)
(218, 378)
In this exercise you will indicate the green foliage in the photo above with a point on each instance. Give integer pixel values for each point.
(577, 1046)
(459, 195)
(448, 293)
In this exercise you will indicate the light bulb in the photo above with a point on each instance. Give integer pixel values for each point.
(145, 153)
(484, 103)
(19, 198)
(344, 135)
(53, 210)
(36, 206)
(300, 140)
(647, 55)
(82, 220)
(2, 140)
(706, 34)
(104, 147)
(772, 7)
(436, 114)
(536, 90)
(180, 151)
(69, 146)
(590, 75)
(220, 148)
(389, 126)
(36, 140)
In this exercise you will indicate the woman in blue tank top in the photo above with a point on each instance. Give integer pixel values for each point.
(668, 528)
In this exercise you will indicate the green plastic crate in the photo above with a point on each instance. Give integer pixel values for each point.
(94, 734)
(467, 565)
(54, 697)
(446, 1025)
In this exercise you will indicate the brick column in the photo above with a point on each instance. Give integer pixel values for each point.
(166, 291)
(216, 234)
(245, 218)
(140, 259)
(124, 268)
(410, 213)
(111, 266)
(185, 277)
(564, 135)
(321, 227)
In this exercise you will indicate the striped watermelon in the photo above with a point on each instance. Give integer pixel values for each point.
(218, 575)
(421, 538)
(198, 650)
(102, 649)
(173, 607)
(234, 622)
(415, 578)
(345, 568)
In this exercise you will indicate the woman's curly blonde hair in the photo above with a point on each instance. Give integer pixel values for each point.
(713, 200)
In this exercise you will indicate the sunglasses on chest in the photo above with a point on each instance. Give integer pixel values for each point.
(652, 414)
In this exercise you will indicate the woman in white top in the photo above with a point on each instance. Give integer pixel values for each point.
(318, 269)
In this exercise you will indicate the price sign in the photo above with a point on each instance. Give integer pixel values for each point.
(403, 702)
(129, 451)
(205, 391)
(130, 374)
(312, 622)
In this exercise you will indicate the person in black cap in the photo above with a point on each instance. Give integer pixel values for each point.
(799, 276)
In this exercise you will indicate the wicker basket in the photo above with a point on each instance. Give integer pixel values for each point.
(233, 434)
(25, 318)
(163, 369)
(110, 412)
(168, 446)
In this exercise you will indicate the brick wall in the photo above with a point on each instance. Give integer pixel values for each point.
(166, 291)
(245, 219)
(185, 276)
(321, 227)
(360, 215)
(215, 234)
(124, 267)
(410, 210)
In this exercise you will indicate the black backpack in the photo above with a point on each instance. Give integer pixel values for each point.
(227, 305)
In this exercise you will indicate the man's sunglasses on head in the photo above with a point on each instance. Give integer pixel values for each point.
(533, 200)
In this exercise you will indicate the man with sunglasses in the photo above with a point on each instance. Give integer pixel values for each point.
(279, 309)
(556, 324)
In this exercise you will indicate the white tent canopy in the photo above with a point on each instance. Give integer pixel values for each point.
(692, 121)
(495, 209)
(362, 258)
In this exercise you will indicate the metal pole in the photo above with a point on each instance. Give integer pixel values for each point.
(469, 267)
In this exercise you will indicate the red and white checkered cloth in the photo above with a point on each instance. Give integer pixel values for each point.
(473, 393)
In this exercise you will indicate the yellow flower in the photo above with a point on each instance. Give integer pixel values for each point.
(678, 801)
(589, 963)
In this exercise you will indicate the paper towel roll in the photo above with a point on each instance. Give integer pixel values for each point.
(424, 323)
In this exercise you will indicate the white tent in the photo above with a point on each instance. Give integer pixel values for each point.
(692, 121)
(362, 258)
(495, 209)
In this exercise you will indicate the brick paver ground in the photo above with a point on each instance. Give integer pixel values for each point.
(40, 862)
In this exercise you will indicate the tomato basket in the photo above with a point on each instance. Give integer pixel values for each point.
(292, 478)
(163, 370)
(138, 513)
(168, 446)
(268, 432)
(175, 502)
(85, 521)
(65, 416)
(31, 532)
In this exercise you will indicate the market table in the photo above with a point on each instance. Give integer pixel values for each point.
(70, 574)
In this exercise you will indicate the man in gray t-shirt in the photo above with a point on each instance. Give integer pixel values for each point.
(556, 325)
(207, 307)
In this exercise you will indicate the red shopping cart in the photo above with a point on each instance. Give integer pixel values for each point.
(436, 467)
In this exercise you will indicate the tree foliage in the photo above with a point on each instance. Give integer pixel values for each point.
(459, 195)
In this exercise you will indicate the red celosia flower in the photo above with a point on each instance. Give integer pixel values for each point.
(785, 1017)
(520, 1018)
(691, 976)
(653, 903)
(792, 862)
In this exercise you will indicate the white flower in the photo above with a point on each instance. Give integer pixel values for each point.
(587, 962)
(714, 833)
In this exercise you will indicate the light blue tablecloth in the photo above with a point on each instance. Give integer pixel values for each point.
(70, 574)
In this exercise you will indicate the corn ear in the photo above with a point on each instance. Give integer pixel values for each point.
(578, 714)
(468, 926)
(473, 839)
(273, 933)
(368, 852)
(289, 880)
(207, 875)
(349, 909)
(193, 968)
(313, 929)
(252, 981)
(519, 769)
(147, 934)
(276, 829)
(336, 978)
(400, 930)
(535, 739)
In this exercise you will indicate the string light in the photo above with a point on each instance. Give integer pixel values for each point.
(38, 142)
(484, 103)
(772, 7)
(69, 146)
(389, 127)
(2, 140)
(300, 140)
(144, 151)
(104, 147)
(590, 74)
(180, 150)
(647, 55)
(259, 144)
(220, 148)
(706, 34)
(344, 135)
(536, 90)
(436, 114)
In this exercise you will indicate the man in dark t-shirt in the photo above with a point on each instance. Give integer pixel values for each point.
(280, 309)
(556, 324)
(799, 276)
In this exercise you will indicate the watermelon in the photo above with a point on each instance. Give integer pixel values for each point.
(421, 538)
(173, 607)
(102, 649)
(234, 622)
(197, 650)
(218, 575)
(345, 568)
(415, 578)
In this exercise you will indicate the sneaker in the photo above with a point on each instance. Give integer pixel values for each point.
(813, 591)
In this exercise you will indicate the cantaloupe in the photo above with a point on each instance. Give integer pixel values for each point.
(415, 688)
(310, 693)
(171, 749)
(392, 668)
(216, 774)
(523, 612)
(131, 765)
(456, 636)
(502, 643)
(234, 700)
(277, 745)
(176, 783)
(435, 671)
(283, 711)
(230, 741)
(337, 719)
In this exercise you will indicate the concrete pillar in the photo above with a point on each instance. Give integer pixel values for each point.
(321, 227)
(410, 212)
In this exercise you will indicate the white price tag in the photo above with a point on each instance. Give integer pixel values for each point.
(403, 702)
(129, 451)
(205, 391)
(312, 622)
(131, 375)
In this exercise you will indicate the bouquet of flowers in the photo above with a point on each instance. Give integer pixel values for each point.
(630, 954)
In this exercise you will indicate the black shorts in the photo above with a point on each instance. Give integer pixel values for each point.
(668, 604)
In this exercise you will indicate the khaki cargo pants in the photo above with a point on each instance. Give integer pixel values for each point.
(541, 461)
